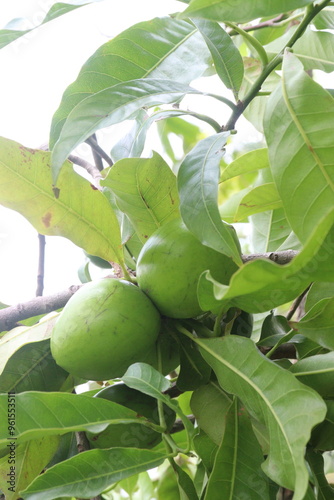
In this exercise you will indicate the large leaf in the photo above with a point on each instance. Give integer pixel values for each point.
(198, 179)
(275, 398)
(28, 460)
(316, 50)
(275, 284)
(146, 191)
(298, 125)
(38, 413)
(163, 48)
(239, 10)
(317, 372)
(13, 29)
(226, 57)
(79, 212)
(89, 473)
(325, 19)
(32, 368)
(237, 469)
(109, 106)
(13, 340)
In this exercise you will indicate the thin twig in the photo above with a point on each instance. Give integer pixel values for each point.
(94, 145)
(265, 24)
(279, 257)
(97, 158)
(91, 169)
(41, 262)
(296, 303)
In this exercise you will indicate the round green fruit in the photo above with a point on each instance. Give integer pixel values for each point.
(170, 264)
(131, 435)
(104, 328)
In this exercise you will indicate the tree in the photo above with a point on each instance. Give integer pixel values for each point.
(252, 375)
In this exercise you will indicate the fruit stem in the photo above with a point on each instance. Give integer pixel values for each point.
(217, 329)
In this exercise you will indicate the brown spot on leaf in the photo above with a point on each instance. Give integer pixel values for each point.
(56, 192)
(93, 187)
(46, 219)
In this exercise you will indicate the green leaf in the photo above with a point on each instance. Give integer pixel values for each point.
(226, 57)
(270, 231)
(32, 368)
(58, 9)
(210, 405)
(274, 328)
(259, 199)
(26, 186)
(239, 11)
(315, 49)
(317, 372)
(198, 179)
(317, 292)
(252, 161)
(205, 449)
(316, 462)
(325, 19)
(274, 285)
(27, 460)
(322, 437)
(274, 397)
(185, 483)
(317, 324)
(237, 469)
(89, 473)
(109, 106)
(38, 413)
(194, 371)
(146, 191)
(164, 48)
(255, 110)
(298, 126)
(20, 336)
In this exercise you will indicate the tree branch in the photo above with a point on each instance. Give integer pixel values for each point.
(94, 145)
(10, 316)
(41, 260)
(91, 169)
(278, 257)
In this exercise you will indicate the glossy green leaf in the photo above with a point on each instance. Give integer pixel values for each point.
(26, 461)
(146, 191)
(315, 49)
(274, 285)
(198, 179)
(194, 371)
(32, 368)
(38, 412)
(210, 405)
(26, 186)
(20, 336)
(17, 27)
(109, 106)
(89, 473)
(298, 125)
(251, 161)
(237, 469)
(322, 437)
(226, 57)
(317, 324)
(317, 372)
(185, 483)
(274, 328)
(259, 199)
(240, 11)
(274, 397)
(164, 48)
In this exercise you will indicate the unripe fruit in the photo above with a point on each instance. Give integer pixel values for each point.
(133, 435)
(170, 264)
(104, 328)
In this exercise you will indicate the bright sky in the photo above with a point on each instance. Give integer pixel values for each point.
(35, 71)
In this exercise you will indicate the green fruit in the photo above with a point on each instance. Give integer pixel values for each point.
(97, 261)
(243, 325)
(105, 327)
(170, 264)
(132, 435)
